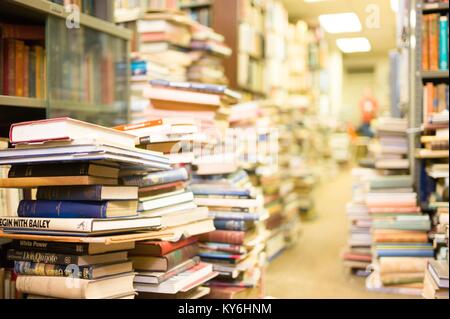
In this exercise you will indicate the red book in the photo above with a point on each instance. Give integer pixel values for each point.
(161, 248)
(162, 187)
(224, 236)
(22, 32)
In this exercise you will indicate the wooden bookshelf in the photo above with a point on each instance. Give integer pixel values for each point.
(86, 68)
(434, 7)
(26, 102)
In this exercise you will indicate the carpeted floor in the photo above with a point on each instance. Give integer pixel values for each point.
(313, 269)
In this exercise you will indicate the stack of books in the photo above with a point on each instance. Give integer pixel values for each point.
(435, 137)
(436, 280)
(22, 60)
(170, 270)
(75, 200)
(357, 256)
(208, 54)
(175, 137)
(391, 149)
(400, 235)
(234, 248)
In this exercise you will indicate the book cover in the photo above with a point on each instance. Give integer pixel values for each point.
(443, 43)
(19, 63)
(62, 209)
(86, 193)
(434, 41)
(224, 236)
(161, 248)
(162, 177)
(238, 225)
(425, 42)
(63, 169)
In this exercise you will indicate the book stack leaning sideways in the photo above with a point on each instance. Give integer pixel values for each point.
(61, 227)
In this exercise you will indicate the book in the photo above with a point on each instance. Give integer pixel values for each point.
(83, 272)
(76, 209)
(145, 277)
(70, 248)
(157, 178)
(77, 226)
(63, 259)
(181, 282)
(56, 287)
(165, 262)
(433, 39)
(439, 272)
(443, 42)
(33, 182)
(228, 236)
(161, 248)
(164, 200)
(87, 193)
(63, 169)
(66, 129)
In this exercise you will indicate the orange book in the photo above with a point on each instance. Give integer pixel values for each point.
(39, 70)
(399, 236)
(19, 63)
(44, 74)
(130, 127)
(430, 99)
(434, 41)
(26, 70)
(425, 43)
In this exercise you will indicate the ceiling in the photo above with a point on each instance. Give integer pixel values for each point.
(381, 36)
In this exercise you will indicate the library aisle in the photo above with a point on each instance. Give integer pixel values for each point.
(312, 269)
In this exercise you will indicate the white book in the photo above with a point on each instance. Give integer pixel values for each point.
(173, 198)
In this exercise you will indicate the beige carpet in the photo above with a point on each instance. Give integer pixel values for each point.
(313, 269)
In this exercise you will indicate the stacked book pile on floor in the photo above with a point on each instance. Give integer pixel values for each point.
(401, 247)
(208, 53)
(391, 149)
(77, 199)
(160, 50)
(357, 256)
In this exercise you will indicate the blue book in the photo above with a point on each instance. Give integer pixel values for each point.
(76, 209)
(405, 253)
(211, 191)
(239, 225)
(443, 43)
(158, 178)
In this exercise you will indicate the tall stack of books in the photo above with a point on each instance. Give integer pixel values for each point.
(160, 50)
(357, 256)
(400, 236)
(22, 60)
(63, 229)
(208, 53)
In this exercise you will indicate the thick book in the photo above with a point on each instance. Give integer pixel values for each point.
(76, 209)
(164, 200)
(33, 182)
(433, 39)
(438, 270)
(239, 225)
(87, 193)
(63, 169)
(184, 281)
(66, 129)
(166, 262)
(73, 271)
(70, 248)
(155, 277)
(228, 236)
(77, 226)
(63, 259)
(161, 248)
(157, 178)
(57, 287)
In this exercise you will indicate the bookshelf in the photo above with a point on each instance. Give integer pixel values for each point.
(85, 73)
(419, 78)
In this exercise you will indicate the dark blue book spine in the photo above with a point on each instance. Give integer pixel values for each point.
(61, 209)
(230, 225)
(41, 269)
(70, 193)
(221, 192)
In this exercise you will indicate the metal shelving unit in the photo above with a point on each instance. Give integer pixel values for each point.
(418, 78)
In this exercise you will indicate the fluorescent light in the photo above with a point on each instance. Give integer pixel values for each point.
(340, 22)
(351, 45)
(312, 1)
(395, 5)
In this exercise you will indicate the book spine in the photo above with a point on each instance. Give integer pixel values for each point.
(168, 247)
(41, 257)
(163, 177)
(178, 270)
(181, 255)
(11, 69)
(425, 43)
(54, 247)
(223, 236)
(67, 193)
(230, 225)
(61, 209)
(434, 41)
(72, 169)
(32, 72)
(443, 43)
(19, 68)
(42, 269)
(78, 225)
